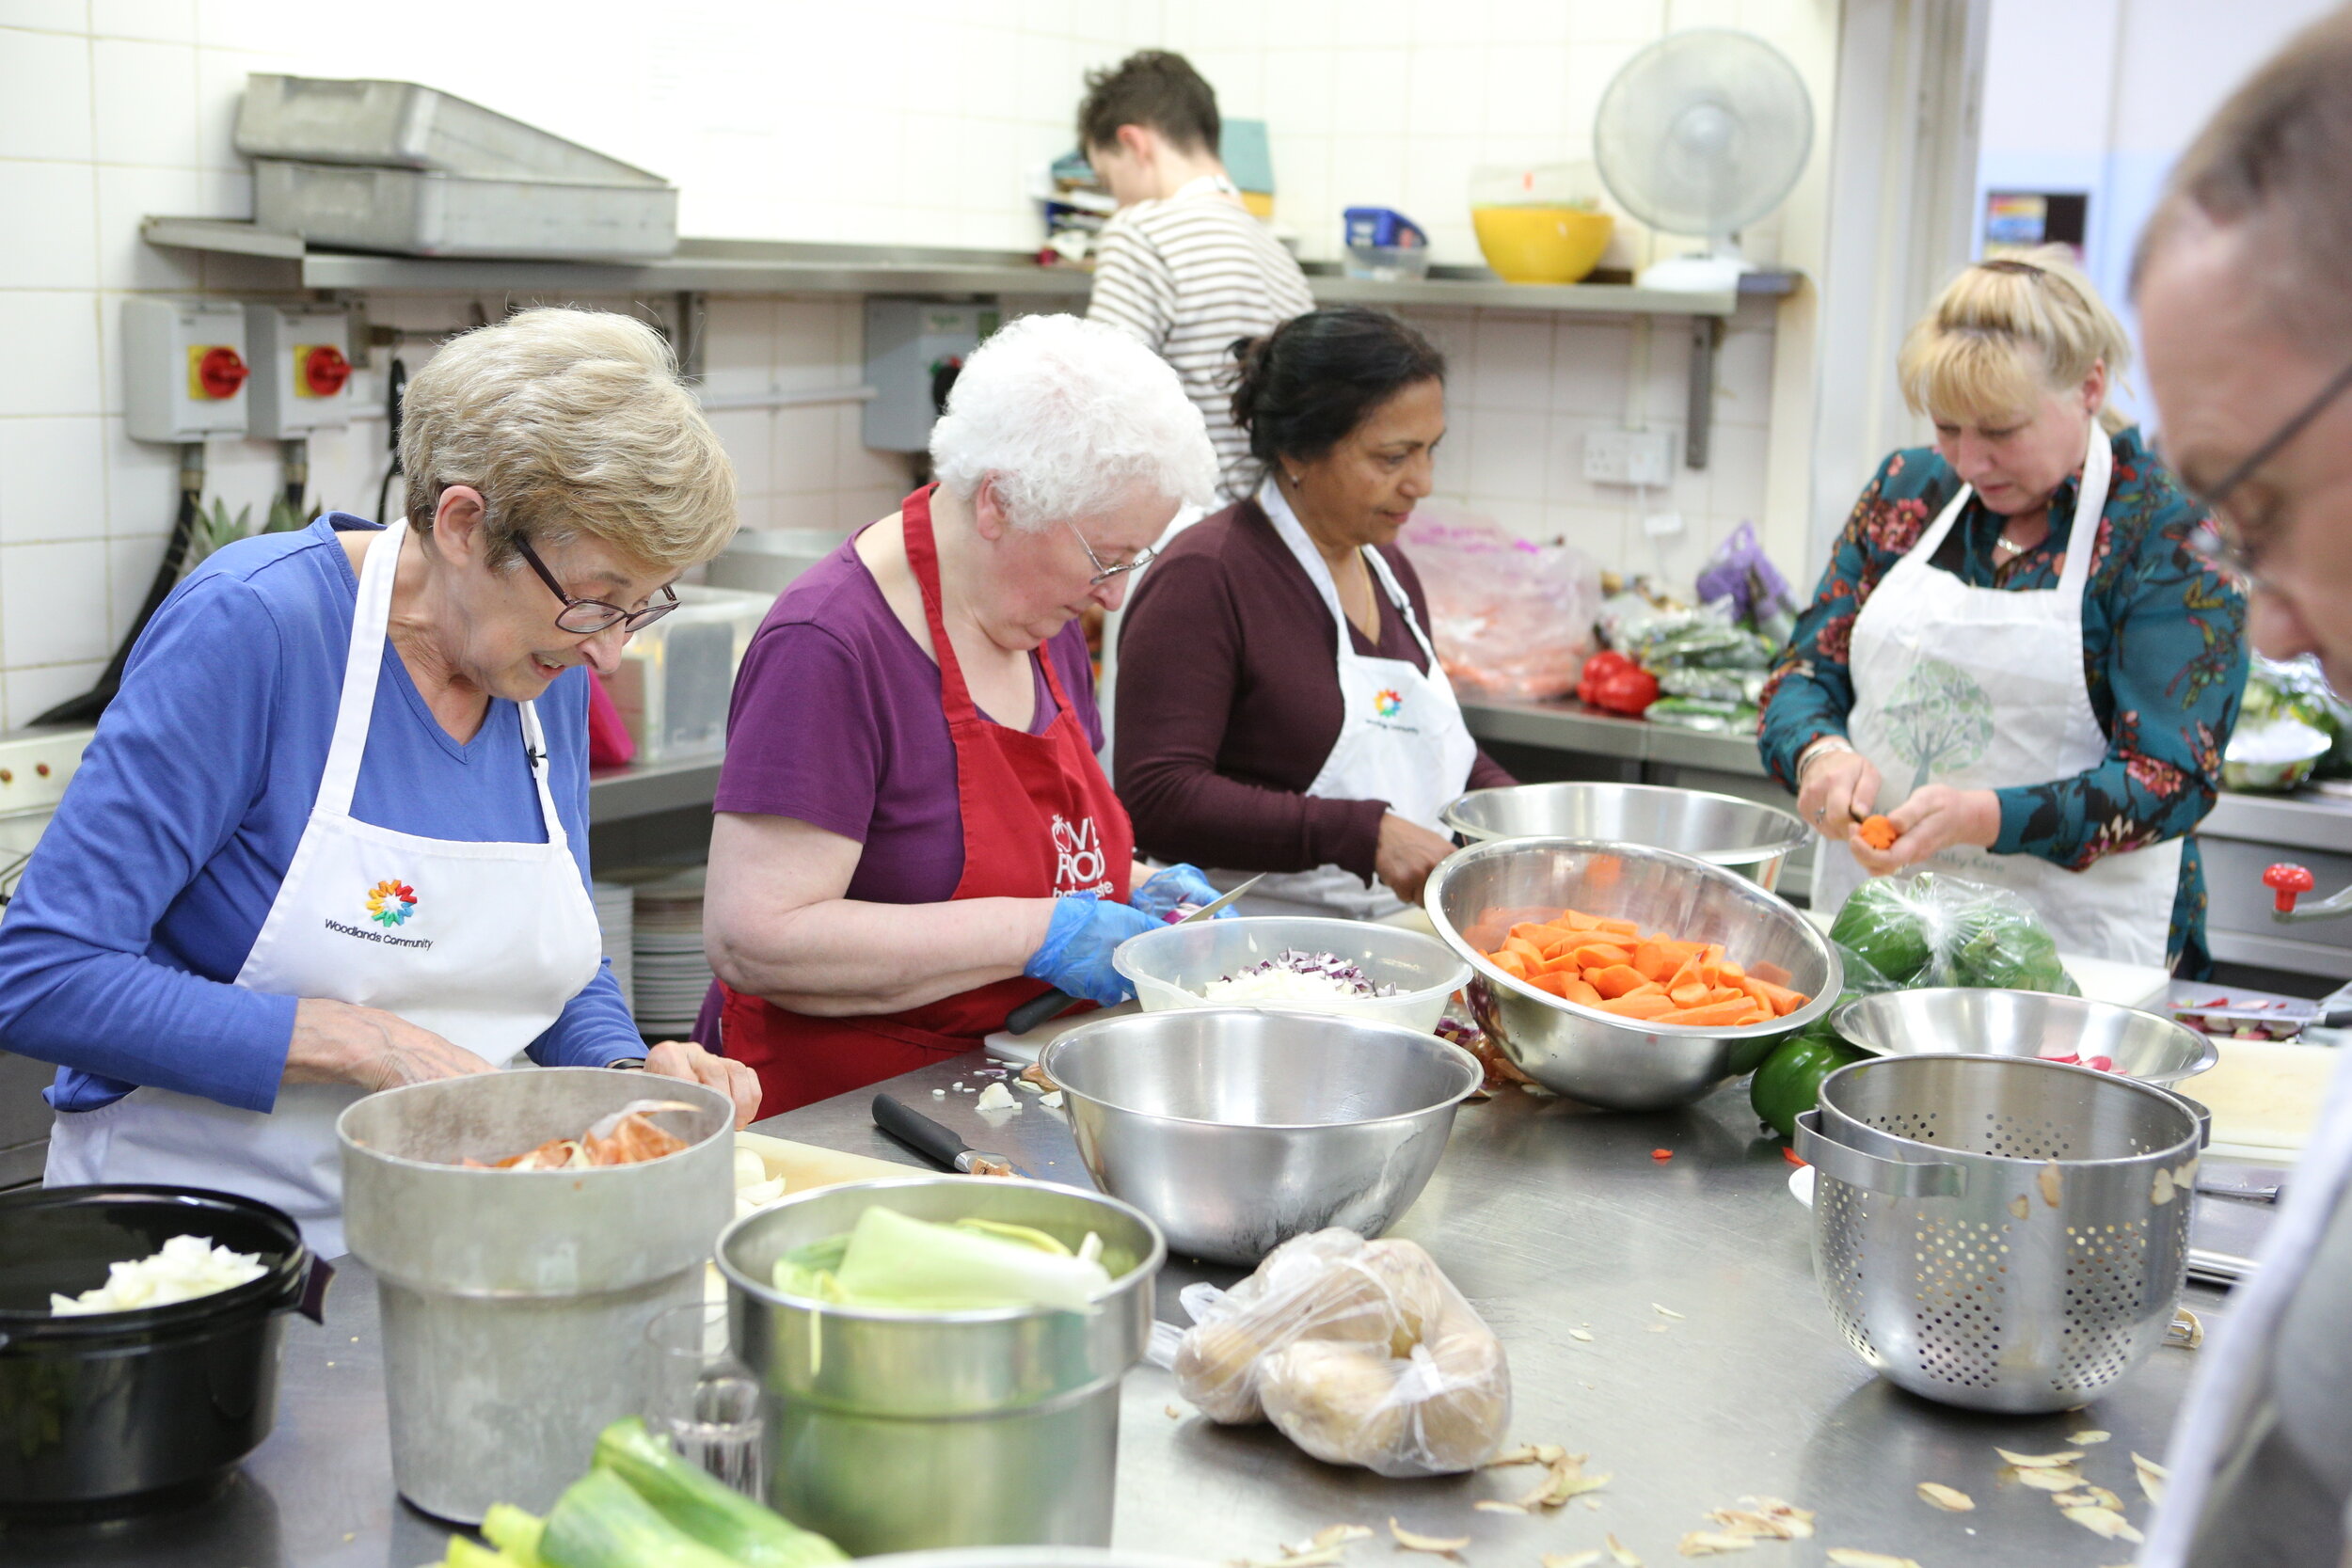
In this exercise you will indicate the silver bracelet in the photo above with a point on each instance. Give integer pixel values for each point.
(1822, 745)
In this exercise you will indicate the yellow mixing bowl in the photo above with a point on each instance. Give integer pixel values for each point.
(1541, 244)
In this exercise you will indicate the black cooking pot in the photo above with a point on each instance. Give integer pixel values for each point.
(117, 1412)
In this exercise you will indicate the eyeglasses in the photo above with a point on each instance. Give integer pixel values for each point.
(1104, 574)
(586, 617)
(2227, 547)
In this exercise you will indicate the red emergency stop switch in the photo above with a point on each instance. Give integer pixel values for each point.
(325, 370)
(2286, 881)
(221, 371)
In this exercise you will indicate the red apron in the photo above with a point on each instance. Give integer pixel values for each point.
(1040, 819)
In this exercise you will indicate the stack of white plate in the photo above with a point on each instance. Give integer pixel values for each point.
(673, 976)
(616, 903)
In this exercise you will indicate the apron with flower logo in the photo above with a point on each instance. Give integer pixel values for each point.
(1402, 739)
(482, 944)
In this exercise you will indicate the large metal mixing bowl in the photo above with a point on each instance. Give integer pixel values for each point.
(1746, 837)
(1955, 1021)
(1477, 894)
(1236, 1129)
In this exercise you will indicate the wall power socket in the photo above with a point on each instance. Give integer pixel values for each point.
(1631, 457)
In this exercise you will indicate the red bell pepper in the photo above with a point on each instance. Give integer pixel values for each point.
(1614, 683)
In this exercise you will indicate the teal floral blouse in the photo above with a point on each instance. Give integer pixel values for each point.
(2164, 652)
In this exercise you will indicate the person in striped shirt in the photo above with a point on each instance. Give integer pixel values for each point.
(1183, 265)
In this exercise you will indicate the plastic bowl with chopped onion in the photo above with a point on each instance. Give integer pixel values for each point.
(1295, 962)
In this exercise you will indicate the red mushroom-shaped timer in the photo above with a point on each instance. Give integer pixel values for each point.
(2286, 881)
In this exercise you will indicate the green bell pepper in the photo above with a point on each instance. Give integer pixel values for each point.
(1789, 1082)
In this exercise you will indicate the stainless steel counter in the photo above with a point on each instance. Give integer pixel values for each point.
(2242, 835)
(1549, 1217)
(1569, 726)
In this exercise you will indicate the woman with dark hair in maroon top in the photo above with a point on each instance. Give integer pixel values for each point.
(1279, 706)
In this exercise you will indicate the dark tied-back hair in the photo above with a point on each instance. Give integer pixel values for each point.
(1153, 88)
(1302, 388)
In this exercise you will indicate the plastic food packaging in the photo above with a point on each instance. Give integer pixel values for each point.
(1740, 572)
(1509, 617)
(1361, 1352)
(1931, 929)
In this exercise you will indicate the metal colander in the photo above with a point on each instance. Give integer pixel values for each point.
(1995, 1233)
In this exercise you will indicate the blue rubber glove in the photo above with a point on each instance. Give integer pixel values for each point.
(1076, 957)
(1164, 890)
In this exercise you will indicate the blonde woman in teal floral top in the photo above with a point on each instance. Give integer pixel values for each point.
(2012, 364)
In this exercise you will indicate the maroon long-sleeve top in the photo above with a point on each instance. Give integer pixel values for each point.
(1229, 702)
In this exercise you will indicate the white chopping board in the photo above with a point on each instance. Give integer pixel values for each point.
(2265, 1096)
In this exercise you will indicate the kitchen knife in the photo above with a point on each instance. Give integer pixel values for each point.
(1052, 1004)
(935, 1143)
(2282, 1011)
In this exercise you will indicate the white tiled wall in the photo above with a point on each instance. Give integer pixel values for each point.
(889, 120)
(1524, 391)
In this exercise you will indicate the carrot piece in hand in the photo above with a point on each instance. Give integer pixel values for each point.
(1879, 832)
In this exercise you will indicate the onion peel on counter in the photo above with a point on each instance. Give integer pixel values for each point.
(1435, 1546)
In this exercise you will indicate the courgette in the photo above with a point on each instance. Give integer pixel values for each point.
(600, 1523)
(466, 1552)
(704, 1508)
(515, 1533)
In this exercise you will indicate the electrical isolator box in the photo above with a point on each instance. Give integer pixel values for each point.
(302, 369)
(185, 368)
(914, 350)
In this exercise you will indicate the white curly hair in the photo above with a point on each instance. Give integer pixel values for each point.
(1069, 418)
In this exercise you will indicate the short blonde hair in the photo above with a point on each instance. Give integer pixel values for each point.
(569, 422)
(2005, 331)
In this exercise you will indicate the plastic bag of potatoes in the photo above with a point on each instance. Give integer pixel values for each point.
(1361, 1352)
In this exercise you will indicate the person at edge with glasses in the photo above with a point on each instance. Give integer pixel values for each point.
(2019, 654)
(912, 835)
(1283, 708)
(331, 835)
(2245, 313)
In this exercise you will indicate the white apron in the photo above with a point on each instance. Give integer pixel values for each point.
(1983, 689)
(1401, 739)
(481, 944)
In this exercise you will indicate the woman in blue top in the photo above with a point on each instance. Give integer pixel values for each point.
(331, 837)
(2018, 652)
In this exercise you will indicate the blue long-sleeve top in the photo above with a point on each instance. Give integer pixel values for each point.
(2164, 655)
(153, 880)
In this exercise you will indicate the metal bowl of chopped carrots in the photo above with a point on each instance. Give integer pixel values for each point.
(1626, 977)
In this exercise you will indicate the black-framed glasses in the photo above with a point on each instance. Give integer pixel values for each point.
(2227, 547)
(1104, 574)
(586, 617)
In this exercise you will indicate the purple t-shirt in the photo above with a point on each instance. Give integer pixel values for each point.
(836, 721)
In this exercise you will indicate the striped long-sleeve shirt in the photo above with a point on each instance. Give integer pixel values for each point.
(1187, 276)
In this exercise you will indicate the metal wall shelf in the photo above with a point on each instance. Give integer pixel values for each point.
(763, 266)
(790, 267)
